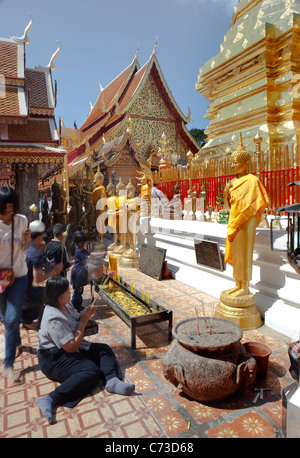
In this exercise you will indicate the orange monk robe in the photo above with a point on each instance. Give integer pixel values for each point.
(248, 198)
(145, 191)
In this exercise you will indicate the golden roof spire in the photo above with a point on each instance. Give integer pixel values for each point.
(155, 46)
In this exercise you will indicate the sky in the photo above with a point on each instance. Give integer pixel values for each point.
(98, 39)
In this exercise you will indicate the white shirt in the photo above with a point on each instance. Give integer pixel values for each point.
(19, 265)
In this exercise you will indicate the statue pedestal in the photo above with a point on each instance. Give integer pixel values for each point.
(239, 310)
(130, 259)
(98, 245)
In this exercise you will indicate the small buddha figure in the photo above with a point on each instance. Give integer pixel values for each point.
(194, 203)
(122, 214)
(88, 217)
(132, 209)
(264, 220)
(63, 210)
(112, 209)
(247, 199)
(177, 191)
(77, 192)
(58, 205)
(99, 201)
(145, 195)
(45, 211)
(203, 203)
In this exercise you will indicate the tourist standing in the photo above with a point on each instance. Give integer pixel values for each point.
(36, 276)
(14, 239)
(79, 272)
(55, 251)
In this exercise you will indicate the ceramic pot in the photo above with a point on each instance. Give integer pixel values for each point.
(211, 367)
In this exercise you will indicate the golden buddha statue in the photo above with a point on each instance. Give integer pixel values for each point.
(246, 198)
(99, 200)
(130, 257)
(112, 209)
(132, 209)
(122, 217)
(145, 195)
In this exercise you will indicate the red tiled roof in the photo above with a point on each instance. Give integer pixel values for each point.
(33, 131)
(9, 104)
(107, 95)
(137, 78)
(35, 83)
(9, 59)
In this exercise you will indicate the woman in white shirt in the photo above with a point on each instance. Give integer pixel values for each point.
(12, 297)
(66, 357)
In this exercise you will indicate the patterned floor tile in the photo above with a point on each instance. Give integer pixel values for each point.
(170, 420)
(160, 410)
(250, 425)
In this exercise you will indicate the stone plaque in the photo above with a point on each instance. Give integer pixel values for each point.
(209, 254)
(151, 260)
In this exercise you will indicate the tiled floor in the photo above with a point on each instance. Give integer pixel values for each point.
(159, 410)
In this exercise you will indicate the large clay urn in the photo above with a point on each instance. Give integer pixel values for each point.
(210, 366)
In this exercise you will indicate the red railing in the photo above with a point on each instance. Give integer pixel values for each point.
(275, 183)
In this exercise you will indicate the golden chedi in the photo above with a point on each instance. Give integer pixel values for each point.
(252, 84)
(246, 199)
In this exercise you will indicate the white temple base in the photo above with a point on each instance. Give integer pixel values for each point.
(275, 283)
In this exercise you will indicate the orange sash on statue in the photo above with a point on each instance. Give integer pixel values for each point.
(248, 197)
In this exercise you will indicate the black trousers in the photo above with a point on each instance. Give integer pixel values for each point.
(78, 372)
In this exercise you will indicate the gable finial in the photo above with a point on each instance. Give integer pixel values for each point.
(24, 38)
(155, 46)
(51, 62)
(137, 52)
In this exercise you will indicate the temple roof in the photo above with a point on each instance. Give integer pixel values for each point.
(27, 98)
(108, 95)
(113, 104)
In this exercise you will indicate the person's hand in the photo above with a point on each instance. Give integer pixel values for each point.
(25, 239)
(87, 313)
(26, 236)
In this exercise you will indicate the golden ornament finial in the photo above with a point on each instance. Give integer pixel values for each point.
(241, 153)
(155, 46)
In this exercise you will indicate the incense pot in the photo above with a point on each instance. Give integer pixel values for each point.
(207, 361)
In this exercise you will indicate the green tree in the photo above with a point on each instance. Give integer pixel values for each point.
(199, 135)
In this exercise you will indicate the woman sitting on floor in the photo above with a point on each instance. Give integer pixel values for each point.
(65, 356)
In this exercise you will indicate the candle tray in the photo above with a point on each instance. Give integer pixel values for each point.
(131, 306)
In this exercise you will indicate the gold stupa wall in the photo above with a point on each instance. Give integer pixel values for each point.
(253, 84)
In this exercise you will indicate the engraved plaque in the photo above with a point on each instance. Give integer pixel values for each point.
(151, 260)
(209, 254)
